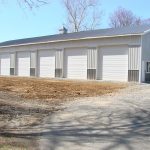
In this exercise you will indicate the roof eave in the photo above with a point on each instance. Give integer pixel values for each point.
(145, 32)
(55, 41)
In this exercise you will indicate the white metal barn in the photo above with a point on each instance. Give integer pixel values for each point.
(121, 54)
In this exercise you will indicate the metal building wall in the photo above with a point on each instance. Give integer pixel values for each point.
(12, 63)
(33, 62)
(59, 64)
(134, 63)
(145, 76)
(92, 63)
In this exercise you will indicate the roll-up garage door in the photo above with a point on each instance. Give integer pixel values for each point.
(23, 59)
(46, 63)
(115, 63)
(76, 63)
(5, 64)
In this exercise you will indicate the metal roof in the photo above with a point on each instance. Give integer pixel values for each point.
(110, 32)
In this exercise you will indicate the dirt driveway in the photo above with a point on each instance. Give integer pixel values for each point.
(113, 122)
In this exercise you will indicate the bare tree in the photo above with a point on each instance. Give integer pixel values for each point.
(31, 3)
(123, 17)
(82, 14)
(146, 21)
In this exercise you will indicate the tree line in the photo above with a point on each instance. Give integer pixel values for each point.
(87, 14)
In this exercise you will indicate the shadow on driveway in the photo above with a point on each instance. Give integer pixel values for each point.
(102, 129)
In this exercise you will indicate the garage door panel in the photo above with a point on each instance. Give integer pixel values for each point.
(23, 63)
(46, 63)
(76, 63)
(5, 64)
(115, 63)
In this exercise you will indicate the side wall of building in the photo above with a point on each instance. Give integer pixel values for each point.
(145, 56)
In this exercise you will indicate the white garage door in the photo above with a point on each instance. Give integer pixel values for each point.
(76, 64)
(23, 63)
(115, 63)
(5, 64)
(47, 63)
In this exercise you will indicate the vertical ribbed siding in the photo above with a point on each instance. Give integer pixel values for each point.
(133, 75)
(12, 60)
(134, 58)
(92, 58)
(59, 63)
(59, 59)
(33, 62)
(12, 63)
(134, 63)
(92, 63)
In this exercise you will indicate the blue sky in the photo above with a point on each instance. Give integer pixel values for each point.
(19, 22)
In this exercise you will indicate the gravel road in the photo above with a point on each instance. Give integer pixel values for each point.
(119, 121)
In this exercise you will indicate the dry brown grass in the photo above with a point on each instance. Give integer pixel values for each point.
(35, 88)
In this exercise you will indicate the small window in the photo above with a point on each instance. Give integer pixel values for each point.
(148, 66)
